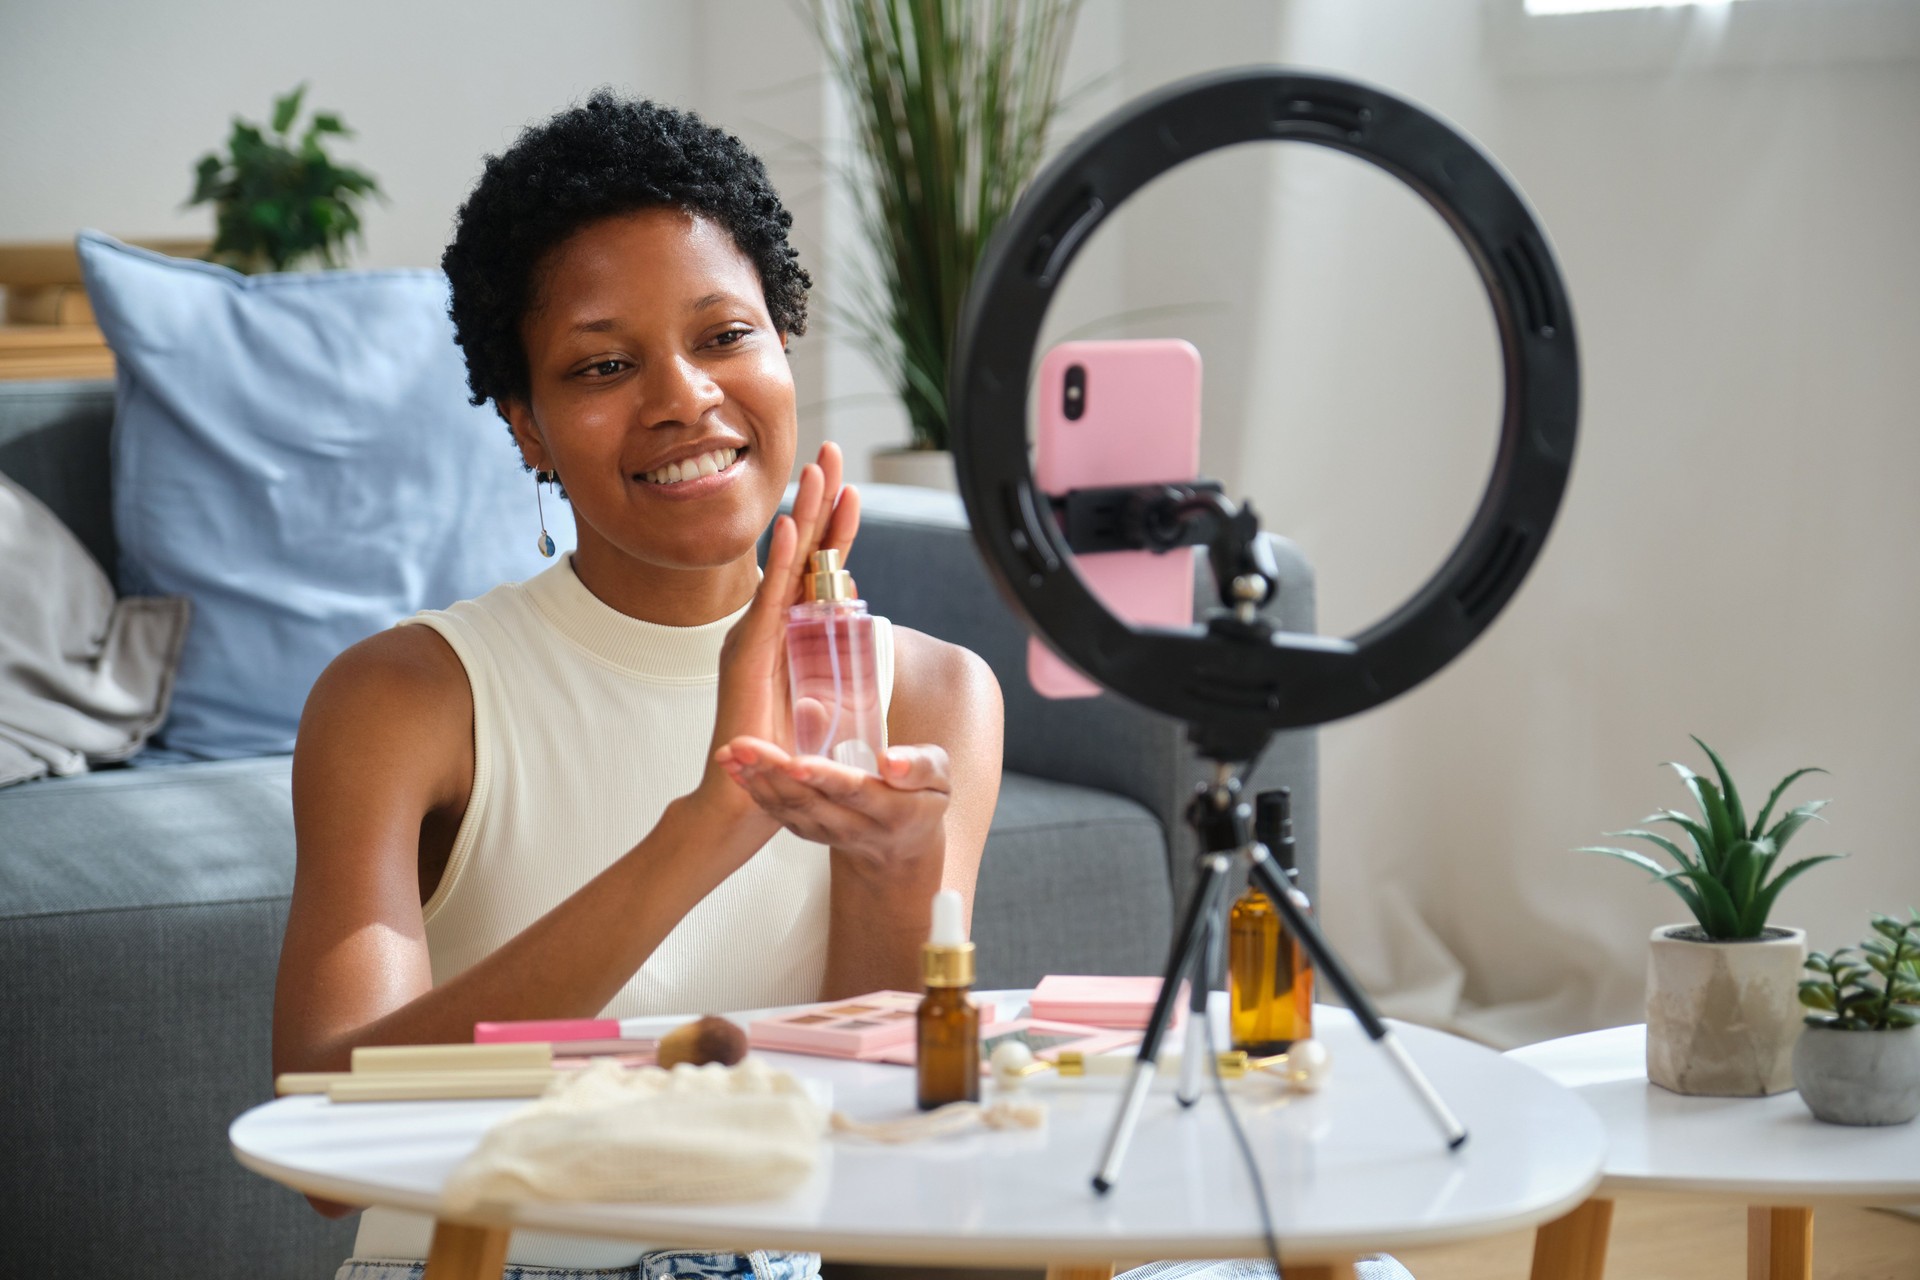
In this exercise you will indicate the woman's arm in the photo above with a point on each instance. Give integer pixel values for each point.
(385, 747)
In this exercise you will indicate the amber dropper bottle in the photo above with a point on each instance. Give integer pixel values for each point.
(947, 1054)
(1269, 978)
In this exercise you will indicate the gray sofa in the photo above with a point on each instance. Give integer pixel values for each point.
(141, 909)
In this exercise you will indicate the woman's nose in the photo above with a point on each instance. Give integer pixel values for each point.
(680, 392)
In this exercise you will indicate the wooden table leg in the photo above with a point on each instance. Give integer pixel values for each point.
(467, 1253)
(1320, 1271)
(1779, 1244)
(1574, 1247)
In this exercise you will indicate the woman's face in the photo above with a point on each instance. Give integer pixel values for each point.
(660, 389)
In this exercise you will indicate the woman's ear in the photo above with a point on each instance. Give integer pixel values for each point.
(526, 433)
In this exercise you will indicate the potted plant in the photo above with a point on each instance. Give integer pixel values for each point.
(1722, 1014)
(280, 202)
(1858, 1061)
(951, 102)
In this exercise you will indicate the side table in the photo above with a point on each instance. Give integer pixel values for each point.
(1352, 1170)
(1767, 1153)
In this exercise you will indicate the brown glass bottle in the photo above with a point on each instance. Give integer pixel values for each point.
(949, 1048)
(947, 1025)
(1269, 977)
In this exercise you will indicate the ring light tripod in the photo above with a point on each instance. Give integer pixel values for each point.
(1237, 679)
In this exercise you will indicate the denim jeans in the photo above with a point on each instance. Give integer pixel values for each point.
(1374, 1267)
(664, 1264)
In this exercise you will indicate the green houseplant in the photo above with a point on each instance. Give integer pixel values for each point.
(1722, 1017)
(952, 101)
(1858, 1061)
(1722, 875)
(280, 202)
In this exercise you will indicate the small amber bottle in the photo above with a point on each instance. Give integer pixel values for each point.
(947, 1053)
(1269, 978)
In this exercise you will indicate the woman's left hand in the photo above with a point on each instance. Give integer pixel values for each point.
(879, 822)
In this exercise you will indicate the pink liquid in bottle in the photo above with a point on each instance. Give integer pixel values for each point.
(833, 671)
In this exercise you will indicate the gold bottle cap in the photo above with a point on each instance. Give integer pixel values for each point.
(826, 580)
(947, 964)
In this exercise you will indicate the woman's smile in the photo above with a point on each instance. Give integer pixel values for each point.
(694, 476)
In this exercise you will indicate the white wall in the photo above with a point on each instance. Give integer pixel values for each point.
(106, 106)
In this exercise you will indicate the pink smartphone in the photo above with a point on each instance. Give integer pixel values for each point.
(1118, 413)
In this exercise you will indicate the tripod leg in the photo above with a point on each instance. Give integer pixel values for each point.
(1182, 959)
(1275, 886)
(1206, 972)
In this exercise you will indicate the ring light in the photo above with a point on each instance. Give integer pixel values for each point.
(1248, 685)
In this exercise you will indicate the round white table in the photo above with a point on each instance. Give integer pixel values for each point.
(1355, 1169)
(1767, 1153)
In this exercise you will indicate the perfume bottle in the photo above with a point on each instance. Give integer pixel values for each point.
(947, 1025)
(1269, 978)
(832, 667)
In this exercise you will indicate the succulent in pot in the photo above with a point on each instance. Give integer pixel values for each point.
(1858, 1061)
(1722, 1014)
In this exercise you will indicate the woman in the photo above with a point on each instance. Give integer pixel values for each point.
(572, 796)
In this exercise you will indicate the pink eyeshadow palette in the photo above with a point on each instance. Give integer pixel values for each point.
(858, 1028)
(1101, 1001)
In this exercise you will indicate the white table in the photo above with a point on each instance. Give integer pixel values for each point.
(1355, 1169)
(1767, 1153)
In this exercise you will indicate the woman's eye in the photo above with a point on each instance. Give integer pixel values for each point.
(730, 337)
(604, 368)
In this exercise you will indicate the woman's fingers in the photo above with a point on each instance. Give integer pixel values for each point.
(813, 508)
(767, 611)
(843, 523)
(917, 768)
(807, 518)
(766, 773)
(797, 778)
(832, 469)
(811, 721)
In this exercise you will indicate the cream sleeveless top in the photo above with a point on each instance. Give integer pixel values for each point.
(586, 723)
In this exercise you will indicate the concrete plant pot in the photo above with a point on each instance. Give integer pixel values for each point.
(1859, 1077)
(925, 468)
(1723, 1017)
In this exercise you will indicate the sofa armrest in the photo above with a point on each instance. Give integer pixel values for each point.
(54, 442)
(916, 563)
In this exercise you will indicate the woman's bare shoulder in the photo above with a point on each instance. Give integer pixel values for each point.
(936, 683)
(414, 665)
(398, 699)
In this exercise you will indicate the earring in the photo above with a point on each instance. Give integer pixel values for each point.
(546, 539)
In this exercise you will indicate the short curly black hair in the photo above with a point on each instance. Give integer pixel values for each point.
(608, 157)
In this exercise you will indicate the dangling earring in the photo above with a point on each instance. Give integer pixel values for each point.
(546, 539)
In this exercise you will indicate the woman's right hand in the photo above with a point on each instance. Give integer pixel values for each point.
(754, 700)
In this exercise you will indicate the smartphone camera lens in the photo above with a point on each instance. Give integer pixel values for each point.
(1076, 392)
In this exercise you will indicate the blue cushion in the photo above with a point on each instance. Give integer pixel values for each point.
(296, 454)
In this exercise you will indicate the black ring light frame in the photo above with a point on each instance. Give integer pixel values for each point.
(1249, 689)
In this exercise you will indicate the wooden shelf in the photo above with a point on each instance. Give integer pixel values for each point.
(53, 351)
(48, 329)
